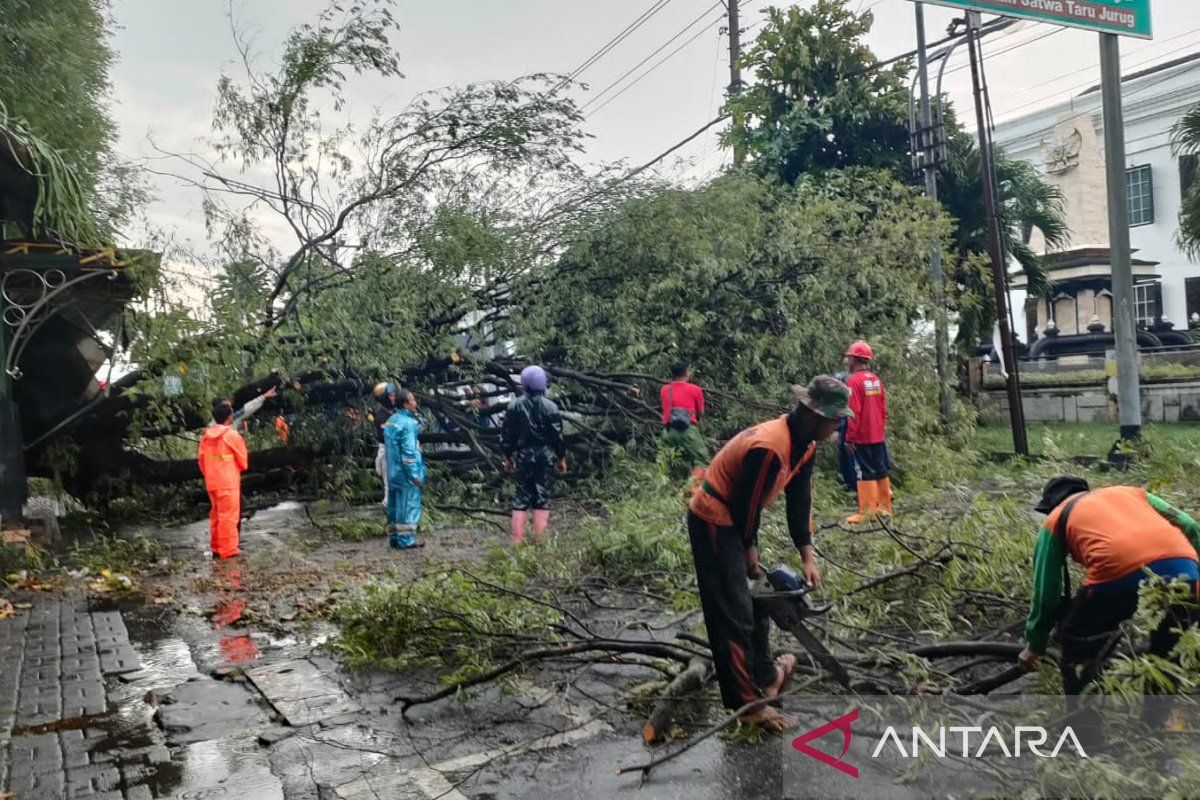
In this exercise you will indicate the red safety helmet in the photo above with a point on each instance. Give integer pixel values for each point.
(860, 349)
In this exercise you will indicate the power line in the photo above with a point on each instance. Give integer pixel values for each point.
(641, 63)
(987, 28)
(1012, 47)
(608, 46)
(1071, 90)
(661, 61)
(1091, 67)
(634, 173)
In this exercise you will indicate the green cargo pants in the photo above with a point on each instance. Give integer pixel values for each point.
(690, 448)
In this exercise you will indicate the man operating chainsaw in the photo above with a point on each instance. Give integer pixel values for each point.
(746, 476)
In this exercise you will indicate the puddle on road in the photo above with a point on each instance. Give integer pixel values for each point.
(235, 768)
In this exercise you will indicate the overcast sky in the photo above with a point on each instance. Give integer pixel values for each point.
(170, 54)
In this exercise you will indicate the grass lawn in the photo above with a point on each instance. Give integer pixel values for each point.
(1083, 438)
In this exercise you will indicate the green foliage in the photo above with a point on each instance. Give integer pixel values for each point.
(637, 541)
(356, 529)
(1149, 373)
(820, 100)
(61, 209)
(54, 61)
(118, 555)
(444, 619)
(757, 286)
(1185, 140)
(14, 558)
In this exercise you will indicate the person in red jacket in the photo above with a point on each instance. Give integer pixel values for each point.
(682, 409)
(865, 434)
(223, 459)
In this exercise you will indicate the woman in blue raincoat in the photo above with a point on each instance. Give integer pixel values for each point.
(406, 473)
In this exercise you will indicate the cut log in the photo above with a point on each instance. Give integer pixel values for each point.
(690, 680)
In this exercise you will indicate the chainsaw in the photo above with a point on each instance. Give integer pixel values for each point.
(788, 604)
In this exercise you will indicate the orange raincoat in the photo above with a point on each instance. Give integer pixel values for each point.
(223, 459)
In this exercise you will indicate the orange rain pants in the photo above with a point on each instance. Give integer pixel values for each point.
(223, 459)
(223, 522)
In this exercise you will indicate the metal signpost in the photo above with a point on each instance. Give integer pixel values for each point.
(1109, 18)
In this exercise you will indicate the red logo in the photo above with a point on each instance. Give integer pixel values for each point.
(843, 724)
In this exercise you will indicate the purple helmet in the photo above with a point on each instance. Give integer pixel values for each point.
(534, 379)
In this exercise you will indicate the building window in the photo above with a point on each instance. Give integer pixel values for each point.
(1139, 184)
(1187, 172)
(1191, 287)
(1147, 300)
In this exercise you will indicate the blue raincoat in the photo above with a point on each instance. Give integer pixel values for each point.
(404, 463)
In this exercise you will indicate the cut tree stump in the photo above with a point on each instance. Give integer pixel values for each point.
(690, 680)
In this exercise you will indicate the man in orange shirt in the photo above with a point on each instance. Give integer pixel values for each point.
(223, 459)
(1123, 536)
(752, 470)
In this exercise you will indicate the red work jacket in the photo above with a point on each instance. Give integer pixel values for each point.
(868, 401)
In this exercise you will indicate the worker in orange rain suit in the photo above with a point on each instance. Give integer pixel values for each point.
(223, 459)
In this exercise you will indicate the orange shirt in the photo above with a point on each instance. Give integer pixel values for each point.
(223, 458)
(1114, 531)
(725, 471)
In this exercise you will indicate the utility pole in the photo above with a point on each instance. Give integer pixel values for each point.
(1128, 394)
(735, 72)
(928, 147)
(12, 456)
(995, 248)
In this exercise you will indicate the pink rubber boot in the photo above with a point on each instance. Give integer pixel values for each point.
(541, 518)
(518, 526)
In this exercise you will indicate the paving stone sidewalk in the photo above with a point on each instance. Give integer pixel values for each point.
(54, 659)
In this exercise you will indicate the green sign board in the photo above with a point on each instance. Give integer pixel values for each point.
(1126, 17)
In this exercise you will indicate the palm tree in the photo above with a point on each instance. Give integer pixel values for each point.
(1185, 141)
(1026, 202)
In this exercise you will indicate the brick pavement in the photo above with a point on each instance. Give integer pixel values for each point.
(54, 712)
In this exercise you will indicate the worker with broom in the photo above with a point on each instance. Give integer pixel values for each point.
(746, 476)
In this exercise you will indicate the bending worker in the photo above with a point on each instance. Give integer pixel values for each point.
(1123, 536)
(865, 434)
(405, 471)
(223, 458)
(746, 476)
(533, 446)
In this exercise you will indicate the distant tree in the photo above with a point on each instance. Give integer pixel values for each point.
(820, 99)
(1185, 137)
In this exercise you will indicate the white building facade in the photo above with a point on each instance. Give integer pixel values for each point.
(1167, 281)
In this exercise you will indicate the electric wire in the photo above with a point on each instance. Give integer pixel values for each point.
(1072, 91)
(642, 63)
(612, 43)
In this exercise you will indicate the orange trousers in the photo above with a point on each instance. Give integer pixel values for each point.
(223, 521)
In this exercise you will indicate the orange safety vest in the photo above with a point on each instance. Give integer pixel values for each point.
(223, 458)
(1114, 531)
(725, 471)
